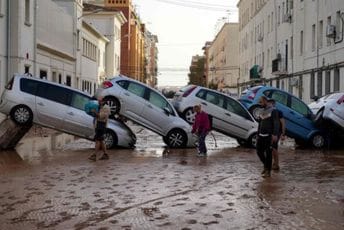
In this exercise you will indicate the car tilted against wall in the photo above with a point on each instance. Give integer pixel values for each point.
(227, 115)
(147, 107)
(29, 99)
(298, 116)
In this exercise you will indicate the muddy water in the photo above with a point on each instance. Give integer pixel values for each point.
(152, 187)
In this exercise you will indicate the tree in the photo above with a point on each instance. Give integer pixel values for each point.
(196, 75)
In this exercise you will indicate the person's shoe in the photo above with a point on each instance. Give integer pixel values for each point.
(93, 157)
(275, 167)
(263, 172)
(266, 174)
(104, 157)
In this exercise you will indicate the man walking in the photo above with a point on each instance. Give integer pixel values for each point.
(201, 127)
(268, 130)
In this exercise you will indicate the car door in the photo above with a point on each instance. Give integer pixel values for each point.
(133, 100)
(238, 121)
(52, 102)
(154, 112)
(76, 120)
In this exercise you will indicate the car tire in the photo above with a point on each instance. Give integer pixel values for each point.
(110, 139)
(255, 110)
(114, 105)
(318, 141)
(252, 140)
(189, 115)
(241, 142)
(176, 138)
(22, 115)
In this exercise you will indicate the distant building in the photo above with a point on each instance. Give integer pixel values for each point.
(222, 58)
(206, 48)
(151, 59)
(196, 75)
(294, 45)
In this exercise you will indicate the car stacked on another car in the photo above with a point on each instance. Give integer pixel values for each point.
(147, 107)
(299, 118)
(28, 99)
(227, 115)
(329, 108)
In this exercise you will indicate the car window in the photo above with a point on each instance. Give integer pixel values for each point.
(54, 93)
(267, 93)
(235, 107)
(214, 98)
(136, 89)
(299, 106)
(28, 86)
(201, 94)
(280, 97)
(123, 84)
(79, 101)
(157, 100)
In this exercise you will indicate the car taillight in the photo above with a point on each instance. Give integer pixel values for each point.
(187, 92)
(107, 84)
(340, 100)
(10, 84)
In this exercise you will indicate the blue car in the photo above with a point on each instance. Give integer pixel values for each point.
(298, 116)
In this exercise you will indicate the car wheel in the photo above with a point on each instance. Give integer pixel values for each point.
(189, 115)
(241, 142)
(255, 111)
(110, 139)
(318, 141)
(252, 140)
(114, 105)
(176, 138)
(22, 115)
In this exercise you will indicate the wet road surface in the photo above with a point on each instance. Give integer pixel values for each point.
(152, 187)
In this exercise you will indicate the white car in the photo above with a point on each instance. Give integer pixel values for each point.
(28, 99)
(227, 115)
(330, 108)
(147, 107)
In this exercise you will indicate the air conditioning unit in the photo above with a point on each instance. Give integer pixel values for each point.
(294, 82)
(260, 37)
(287, 18)
(330, 31)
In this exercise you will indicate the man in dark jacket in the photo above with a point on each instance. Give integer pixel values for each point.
(268, 130)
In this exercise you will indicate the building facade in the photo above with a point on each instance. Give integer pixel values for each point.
(294, 45)
(222, 58)
(151, 59)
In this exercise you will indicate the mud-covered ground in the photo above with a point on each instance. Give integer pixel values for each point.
(152, 187)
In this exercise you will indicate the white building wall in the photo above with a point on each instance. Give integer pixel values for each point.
(3, 44)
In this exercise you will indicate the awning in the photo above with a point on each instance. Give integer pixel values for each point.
(255, 71)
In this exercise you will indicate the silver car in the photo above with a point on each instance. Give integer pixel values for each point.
(227, 115)
(28, 99)
(147, 107)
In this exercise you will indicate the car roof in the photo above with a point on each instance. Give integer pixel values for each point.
(51, 82)
(215, 91)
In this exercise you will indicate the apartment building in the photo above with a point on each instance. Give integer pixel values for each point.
(222, 58)
(295, 45)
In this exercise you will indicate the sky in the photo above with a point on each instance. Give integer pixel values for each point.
(182, 31)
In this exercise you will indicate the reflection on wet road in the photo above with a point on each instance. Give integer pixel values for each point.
(152, 187)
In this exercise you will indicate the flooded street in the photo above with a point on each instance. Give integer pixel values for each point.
(152, 187)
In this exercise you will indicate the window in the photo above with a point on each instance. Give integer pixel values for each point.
(312, 85)
(136, 89)
(313, 37)
(54, 76)
(54, 93)
(26, 69)
(280, 97)
(328, 82)
(338, 24)
(200, 94)
(68, 80)
(301, 43)
(79, 101)
(279, 15)
(214, 98)
(235, 107)
(299, 106)
(60, 78)
(43, 74)
(157, 100)
(320, 34)
(319, 81)
(27, 12)
(329, 23)
(272, 21)
(1, 14)
(28, 86)
(291, 47)
(336, 80)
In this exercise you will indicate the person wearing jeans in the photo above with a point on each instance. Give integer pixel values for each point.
(201, 128)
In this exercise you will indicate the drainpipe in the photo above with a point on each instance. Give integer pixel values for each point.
(8, 41)
(341, 39)
(35, 38)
